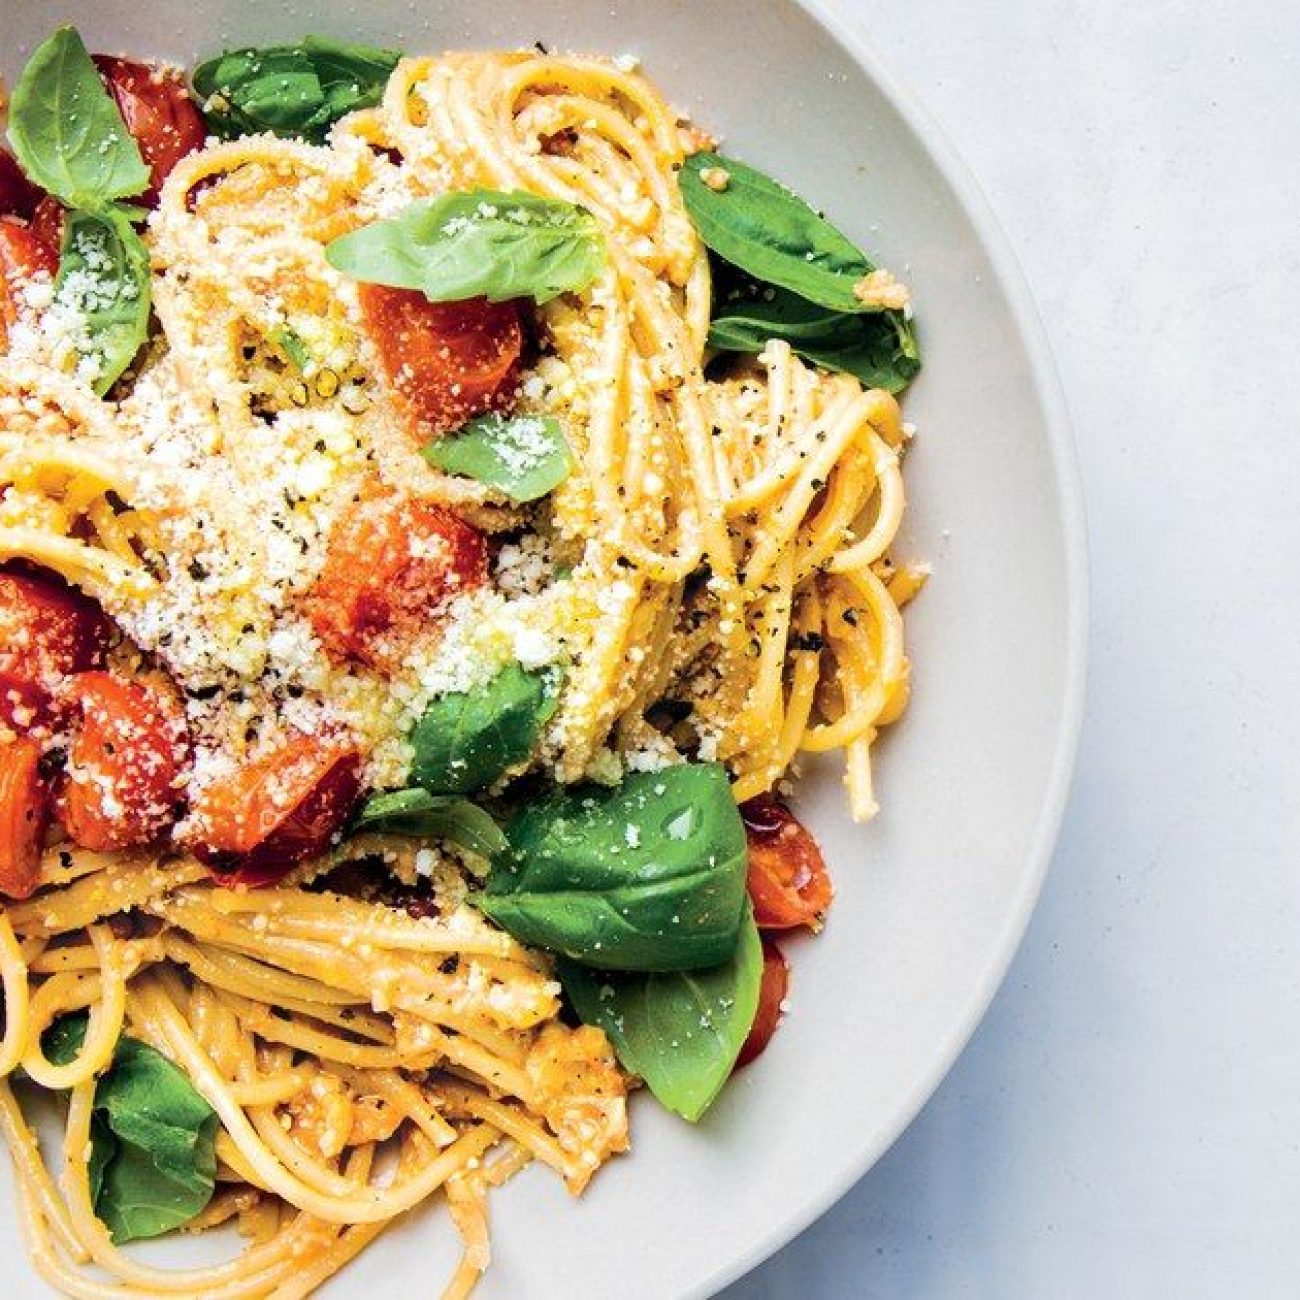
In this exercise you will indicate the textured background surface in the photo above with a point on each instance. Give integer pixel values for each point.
(1126, 1122)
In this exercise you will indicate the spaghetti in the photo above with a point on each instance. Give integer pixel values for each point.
(712, 581)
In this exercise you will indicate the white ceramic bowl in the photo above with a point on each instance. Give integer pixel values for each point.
(934, 895)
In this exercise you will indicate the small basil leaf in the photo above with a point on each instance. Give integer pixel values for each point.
(291, 90)
(164, 1169)
(63, 1039)
(877, 348)
(525, 457)
(104, 1148)
(248, 91)
(467, 739)
(885, 356)
(422, 815)
(104, 280)
(680, 1031)
(480, 243)
(351, 76)
(153, 1137)
(66, 131)
(770, 232)
(648, 875)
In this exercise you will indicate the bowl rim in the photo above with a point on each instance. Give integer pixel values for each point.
(1010, 278)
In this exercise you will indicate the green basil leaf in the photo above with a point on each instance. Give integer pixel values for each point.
(291, 90)
(681, 1031)
(525, 456)
(467, 739)
(647, 875)
(63, 1039)
(164, 1170)
(104, 1148)
(757, 224)
(480, 243)
(351, 76)
(104, 279)
(248, 91)
(153, 1137)
(877, 348)
(421, 815)
(66, 131)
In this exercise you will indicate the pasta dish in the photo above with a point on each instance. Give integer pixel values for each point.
(441, 500)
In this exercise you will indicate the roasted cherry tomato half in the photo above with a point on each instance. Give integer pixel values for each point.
(159, 113)
(123, 786)
(47, 223)
(771, 994)
(23, 255)
(276, 811)
(24, 815)
(391, 561)
(788, 881)
(446, 361)
(48, 632)
(18, 196)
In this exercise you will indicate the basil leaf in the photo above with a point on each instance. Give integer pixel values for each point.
(480, 243)
(63, 1039)
(648, 875)
(153, 1137)
(291, 90)
(251, 90)
(680, 1031)
(104, 279)
(877, 348)
(466, 740)
(422, 815)
(351, 76)
(770, 232)
(525, 457)
(66, 131)
(103, 1149)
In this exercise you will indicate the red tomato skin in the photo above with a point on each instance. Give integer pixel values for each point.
(391, 561)
(446, 361)
(788, 882)
(24, 815)
(18, 196)
(23, 255)
(277, 811)
(126, 764)
(159, 113)
(48, 632)
(47, 223)
(771, 994)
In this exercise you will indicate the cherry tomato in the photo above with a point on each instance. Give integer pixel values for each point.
(447, 361)
(126, 763)
(391, 561)
(22, 256)
(18, 196)
(159, 113)
(276, 811)
(771, 993)
(788, 881)
(24, 815)
(47, 632)
(47, 223)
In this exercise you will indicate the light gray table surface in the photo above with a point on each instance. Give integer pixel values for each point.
(1126, 1122)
